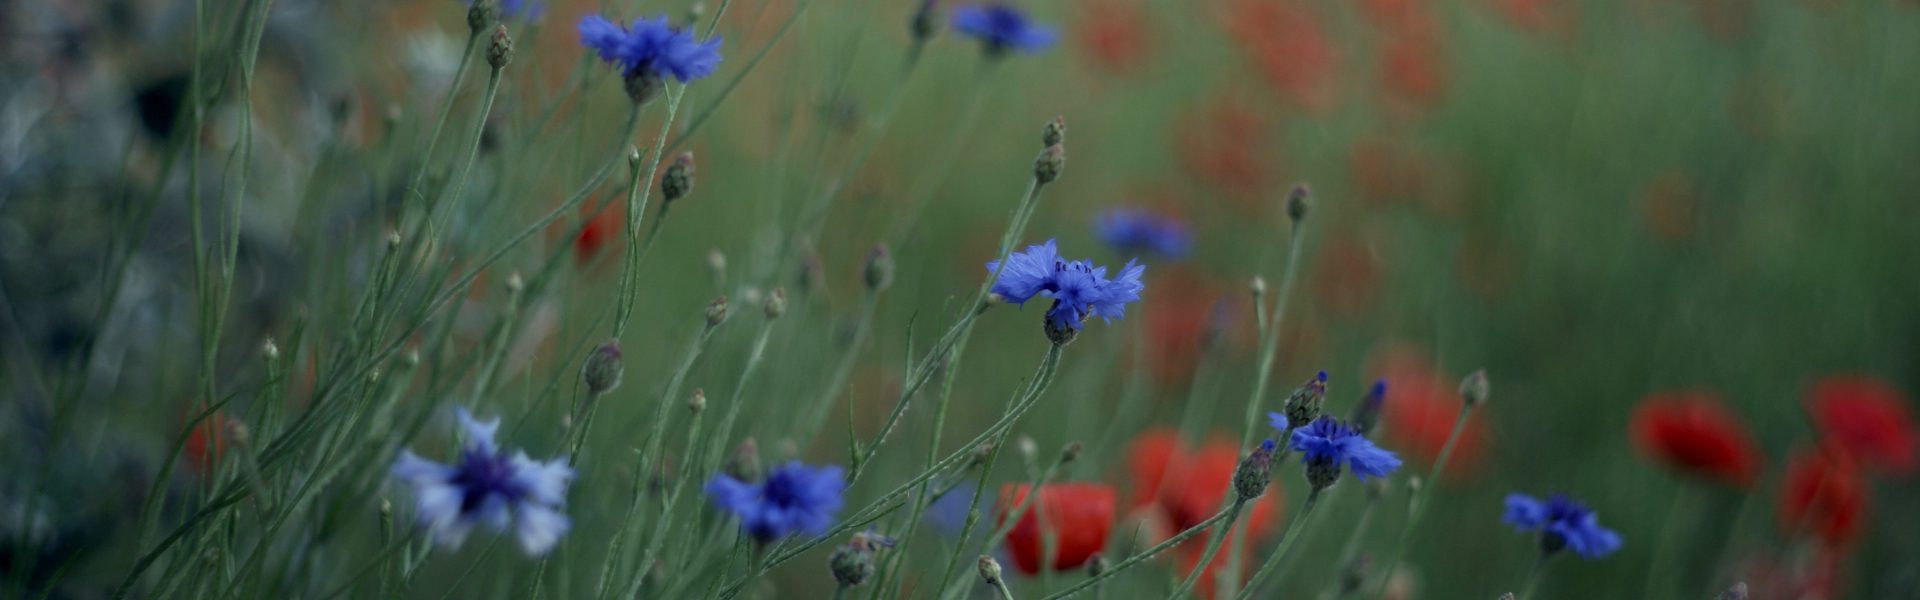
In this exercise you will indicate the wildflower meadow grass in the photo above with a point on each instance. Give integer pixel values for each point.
(945, 300)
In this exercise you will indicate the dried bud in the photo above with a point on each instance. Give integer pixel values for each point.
(412, 358)
(1054, 132)
(1737, 592)
(603, 369)
(1048, 165)
(500, 51)
(482, 15)
(386, 507)
(744, 463)
(695, 12)
(1258, 286)
(925, 22)
(990, 571)
(516, 283)
(878, 269)
(717, 265)
(717, 311)
(1304, 405)
(1474, 389)
(776, 303)
(1071, 452)
(698, 403)
(1097, 564)
(1297, 202)
(1367, 413)
(1254, 472)
(678, 182)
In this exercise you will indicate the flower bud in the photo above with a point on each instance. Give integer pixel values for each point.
(1322, 472)
(698, 403)
(1048, 165)
(1297, 202)
(717, 265)
(1367, 413)
(678, 182)
(776, 303)
(1474, 389)
(1097, 564)
(1251, 477)
(603, 370)
(1027, 447)
(717, 311)
(990, 571)
(386, 507)
(1258, 286)
(878, 269)
(695, 12)
(516, 283)
(1054, 132)
(1060, 333)
(980, 455)
(500, 51)
(1071, 452)
(270, 350)
(925, 22)
(643, 85)
(482, 15)
(633, 160)
(412, 358)
(851, 567)
(1304, 405)
(744, 463)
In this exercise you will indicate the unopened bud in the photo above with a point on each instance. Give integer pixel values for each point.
(878, 270)
(643, 85)
(1367, 413)
(1475, 388)
(698, 403)
(925, 22)
(1304, 405)
(386, 507)
(1028, 449)
(717, 311)
(1297, 202)
(516, 284)
(744, 463)
(270, 350)
(412, 358)
(1737, 592)
(393, 239)
(717, 265)
(1049, 164)
(980, 455)
(1071, 452)
(1258, 286)
(1251, 476)
(1097, 564)
(1054, 132)
(239, 432)
(695, 12)
(603, 370)
(500, 51)
(990, 571)
(776, 303)
(482, 15)
(678, 182)
(851, 567)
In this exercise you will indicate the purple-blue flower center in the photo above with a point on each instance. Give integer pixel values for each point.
(484, 473)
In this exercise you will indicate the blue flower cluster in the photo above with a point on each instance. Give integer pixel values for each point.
(1078, 288)
(1562, 523)
(651, 47)
(794, 498)
(489, 487)
(1002, 28)
(1140, 233)
(1325, 444)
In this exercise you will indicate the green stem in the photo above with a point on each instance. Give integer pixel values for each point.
(1136, 559)
(1533, 578)
(1214, 541)
(1271, 328)
(1419, 506)
(1294, 525)
(636, 211)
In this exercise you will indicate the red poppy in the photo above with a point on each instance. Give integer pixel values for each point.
(1692, 431)
(1114, 36)
(1823, 495)
(601, 227)
(1421, 407)
(1224, 149)
(206, 442)
(1192, 492)
(1076, 514)
(1148, 457)
(1413, 73)
(1347, 278)
(1174, 489)
(1286, 41)
(1867, 420)
(1793, 575)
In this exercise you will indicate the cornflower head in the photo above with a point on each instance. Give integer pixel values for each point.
(1562, 523)
(1325, 444)
(1303, 406)
(1078, 288)
(852, 563)
(794, 498)
(1366, 414)
(649, 51)
(1251, 477)
(1001, 28)
(490, 487)
(1140, 233)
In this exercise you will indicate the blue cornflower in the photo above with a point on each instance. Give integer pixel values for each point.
(1562, 523)
(1324, 444)
(650, 49)
(948, 513)
(489, 487)
(524, 10)
(794, 498)
(1138, 232)
(1078, 288)
(1002, 28)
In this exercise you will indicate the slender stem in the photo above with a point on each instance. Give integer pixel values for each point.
(700, 118)
(1659, 571)
(1214, 541)
(1136, 559)
(1005, 594)
(636, 211)
(1352, 547)
(1419, 505)
(1272, 326)
(1533, 578)
(1294, 525)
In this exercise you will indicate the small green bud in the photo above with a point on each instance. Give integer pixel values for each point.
(603, 370)
(717, 311)
(878, 270)
(1070, 453)
(1049, 164)
(500, 51)
(1475, 388)
(698, 403)
(1304, 405)
(678, 182)
(776, 303)
(1251, 476)
(1297, 202)
(643, 85)
(990, 571)
(483, 14)
(1054, 132)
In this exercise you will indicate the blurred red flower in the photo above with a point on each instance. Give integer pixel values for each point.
(1867, 420)
(1285, 40)
(206, 442)
(602, 226)
(1692, 431)
(1114, 36)
(1667, 206)
(1422, 405)
(1413, 72)
(1347, 276)
(1174, 489)
(1224, 148)
(1823, 495)
(1077, 515)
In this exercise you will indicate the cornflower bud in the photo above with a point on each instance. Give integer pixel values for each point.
(1367, 413)
(1048, 165)
(643, 85)
(1071, 452)
(678, 182)
(1475, 388)
(1251, 477)
(633, 160)
(1097, 564)
(744, 463)
(1297, 202)
(698, 403)
(776, 303)
(482, 15)
(852, 563)
(878, 270)
(990, 571)
(500, 51)
(1304, 405)
(603, 370)
(1054, 132)
(717, 311)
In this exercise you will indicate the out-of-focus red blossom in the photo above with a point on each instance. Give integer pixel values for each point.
(1186, 315)
(1800, 576)
(1114, 35)
(1077, 514)
(1397, 15)
(1724, 20)
(1422, 405)
(1285, 40)
(1667, 205)
(1173, 488)
(1823, 495)
(1148, 457)
(1224, 148)
(1347, 276)
(1867, 420)
(1484, 265)
(1691, 430)
(601, 227)
(1413, 72)
(1387, 170)
(1190, 554)
(1536, 16)
(206, 442)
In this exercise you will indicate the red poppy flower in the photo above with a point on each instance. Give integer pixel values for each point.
(1823, 495)
(1413, 73)
(1693, 432)
(1148, 457)
(1224, 149)
(1285, 40)
(1667, 206)
(1867, 420)
(601, 227)
(1076, 514)
(206, 442)
(1347, 278)
(1175, 489)
(1114, 36)
(1421, 407)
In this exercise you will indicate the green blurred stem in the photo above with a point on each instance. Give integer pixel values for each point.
(1294, 525)
(842, 371)
(1533, 578)
(949, 152)
(933, 453)
(1214, 541)
(1659, 569)
(1419, 504)
(636, 211)
(1005, 593)
(440, 123)
(1039, 382)
(1270, 328)
(724, 431)
(1136, 559)
(1352, 548)
(700, 118)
